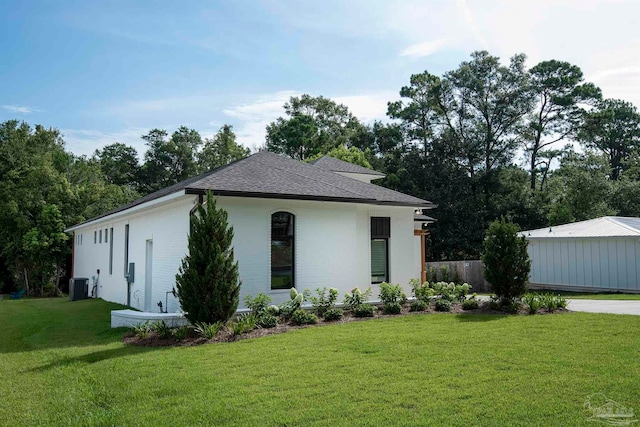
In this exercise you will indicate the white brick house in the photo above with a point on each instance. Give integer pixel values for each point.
(306, 225)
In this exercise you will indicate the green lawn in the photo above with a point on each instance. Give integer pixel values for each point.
(60, 364)
(586, 295)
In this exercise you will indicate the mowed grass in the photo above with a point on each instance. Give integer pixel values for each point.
(60, 364)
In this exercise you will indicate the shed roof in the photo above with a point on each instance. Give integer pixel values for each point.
(336, 165)
(269, 175)
(606, 226)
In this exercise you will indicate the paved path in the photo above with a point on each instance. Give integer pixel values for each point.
(605, 306)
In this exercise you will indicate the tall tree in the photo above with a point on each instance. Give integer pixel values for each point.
(168, 162)
(352, 155)
(559, 90)
(614, 129)
(220, 150)
(119, 164)
(312, 125)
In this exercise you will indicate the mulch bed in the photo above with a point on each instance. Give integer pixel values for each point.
(225, 335)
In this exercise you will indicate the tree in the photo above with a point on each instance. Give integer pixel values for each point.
(313, 125)
(614, 129)
(559, 90)
(119, 164)
(168, 162)
(220, 150)
(506, 261)
(352, 155)
(207, 284)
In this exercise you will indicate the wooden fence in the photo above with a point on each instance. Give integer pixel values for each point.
(471, 272)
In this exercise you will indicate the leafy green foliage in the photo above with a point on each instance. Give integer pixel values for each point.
(142, 330)
(220, 150)
(356, 298)
(243, 324)
(470, 303)
(333, 314)
(287, 308)
(161, 328)
(506, 260)
(264, 313)
(324, 301)
(207, 284)
(419, 305)
(443, 304)
(392, 298)
(421, 291)
(208, 330)
(303, 317)
(364, 310)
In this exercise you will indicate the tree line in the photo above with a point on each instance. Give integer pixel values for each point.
(539, 146)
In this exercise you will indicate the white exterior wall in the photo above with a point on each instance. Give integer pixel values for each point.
(167, 226)
(332, 247)
(586, 263)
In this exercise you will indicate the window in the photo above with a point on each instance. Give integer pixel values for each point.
(282, 250)
(100, 236)
(80, 238)
(110, 250)
(380, 233)
(106, 238)
(95, 237)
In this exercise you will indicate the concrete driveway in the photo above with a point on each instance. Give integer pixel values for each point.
(604, 306)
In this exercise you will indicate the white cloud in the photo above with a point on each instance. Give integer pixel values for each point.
(427, 48)
(368, 107)
(86, 141)
(20, 109)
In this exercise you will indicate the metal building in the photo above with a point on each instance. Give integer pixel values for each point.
(601, 254)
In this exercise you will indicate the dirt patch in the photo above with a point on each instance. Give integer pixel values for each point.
(226, 335)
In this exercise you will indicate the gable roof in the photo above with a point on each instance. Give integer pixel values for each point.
(336, 165)
(268, 175)
(606, 226)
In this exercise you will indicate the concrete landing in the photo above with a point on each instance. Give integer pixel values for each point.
(130, 318)
(605, 306)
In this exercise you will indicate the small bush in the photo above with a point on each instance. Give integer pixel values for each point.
(258, 304)
(324, 301)
(419, 305)
(287, 308)
(181, 332)
(443, 305)
(421, 291)
(302, 317)
(161, 328)
(243, 324)
(532, 302)
(207, 330)
(392, 308)
(267, 321)
(470, 304)
(356, 298)
(333, 314)
(142, 330)
(364, 310)
(495, 303)
(552, 302)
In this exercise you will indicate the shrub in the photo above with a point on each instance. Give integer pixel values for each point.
(392, 308)
(303, 317)
(207, 284)
(356, 298)
(364, 310)
(552, 302)
(208, 330)
(419, 305)
(287, 308)
(505, 258)
(142, 330)
(433, 274)
(161, 328)
(445, 272)
(333, 314)
(532, 302)
(267, 321)
(243, 324)
(324, 301)
(421, 291)
(258, 304)
(181, 332)
(443, 305)
(470, 304)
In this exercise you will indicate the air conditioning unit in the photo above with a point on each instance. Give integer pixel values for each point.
(78, 288)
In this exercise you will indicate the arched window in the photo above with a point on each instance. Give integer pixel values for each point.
(282, 250)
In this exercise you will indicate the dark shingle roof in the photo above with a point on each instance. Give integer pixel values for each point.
(336, 165)
(269, 175)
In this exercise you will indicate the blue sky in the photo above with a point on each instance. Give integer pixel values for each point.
(103, 72)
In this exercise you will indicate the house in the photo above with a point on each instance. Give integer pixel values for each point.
(295, 224)
(601, 254)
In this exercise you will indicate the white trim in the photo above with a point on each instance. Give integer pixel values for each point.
(143, 206)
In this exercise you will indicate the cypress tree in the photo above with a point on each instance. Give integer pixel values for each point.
(207, 284)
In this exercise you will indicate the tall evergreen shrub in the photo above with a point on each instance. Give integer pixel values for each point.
(207, 284)
(506, 261)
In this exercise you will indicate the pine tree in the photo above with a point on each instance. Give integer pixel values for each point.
(506, 261)
(207, 285)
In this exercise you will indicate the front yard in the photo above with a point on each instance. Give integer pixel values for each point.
(60, 364)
